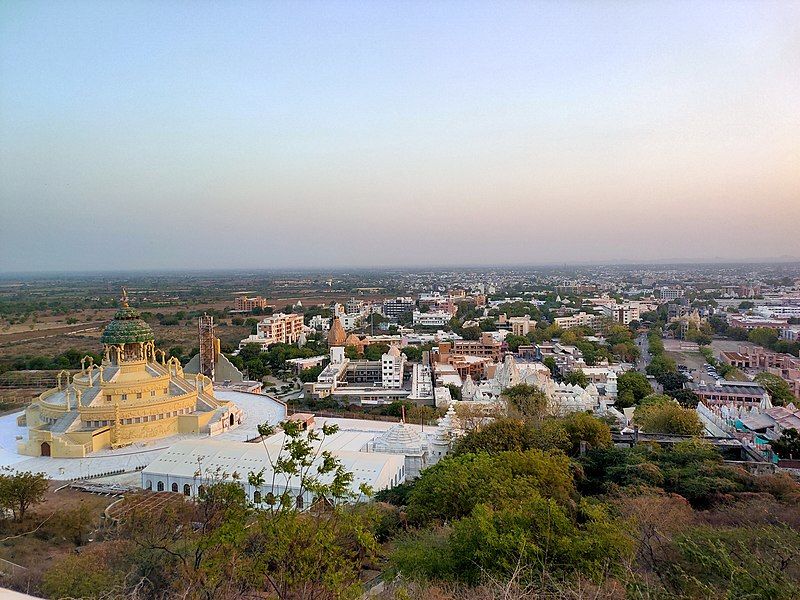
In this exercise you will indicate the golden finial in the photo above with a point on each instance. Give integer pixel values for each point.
(124, 298)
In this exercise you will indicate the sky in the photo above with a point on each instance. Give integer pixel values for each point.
(164, 135)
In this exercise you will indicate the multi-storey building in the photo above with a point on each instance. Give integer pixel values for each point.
(486, 347)
(670, 293)
(521, 326)
(431, 319)
(395, 307)
(581, 319)
(280, 328)
(621, 313)
(247, 304)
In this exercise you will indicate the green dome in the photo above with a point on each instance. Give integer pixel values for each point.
(127, 328)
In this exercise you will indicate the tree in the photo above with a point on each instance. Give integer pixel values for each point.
(550, 363)
(310, 374)
(737, 333)
(661, 365)
(788, 445)
(455, 391)
(582, 427)
(449, 490)
(632, 386)
(577, 377)
(661, 414)
(763, 336)
(471, 333)
(20, 491)
(778, 389)
(686, 398)
(526, 400)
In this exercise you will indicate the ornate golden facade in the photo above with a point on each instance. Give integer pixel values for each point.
(134, 395)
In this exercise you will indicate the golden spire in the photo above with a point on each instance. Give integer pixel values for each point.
(124, 298)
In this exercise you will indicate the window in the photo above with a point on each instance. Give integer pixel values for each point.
(299, 501)
(108, 398)
(187, 490)
(152, 392)
(124, 396)
(148, 485)
(138, 395)
(174, 487)
(201, 491)
(160, 486)
(257, 497)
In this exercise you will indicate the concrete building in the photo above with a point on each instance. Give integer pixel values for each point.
(395, 307)
(243, 303)
(190, 465)
(522, 326)
(431, 319)
(581, 319)
(738, 393)
(621, 313)
(670, 293)
(487, 347)
(280, 328)
(750, 322)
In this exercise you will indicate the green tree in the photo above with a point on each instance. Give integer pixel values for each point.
(455, 391)
(583, 427)
(632, 386)
(779, 391)
(526, 400)
(550, 363)
(310, 374)
(661, 414)
(21, 490)
(448, 489)
(788, 445)
(576, 377)
(763, 336)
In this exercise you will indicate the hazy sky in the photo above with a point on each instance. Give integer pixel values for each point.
(257, 134)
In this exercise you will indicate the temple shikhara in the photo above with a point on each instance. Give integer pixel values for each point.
(135, 394)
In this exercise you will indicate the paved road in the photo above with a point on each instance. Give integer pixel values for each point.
(644, 354)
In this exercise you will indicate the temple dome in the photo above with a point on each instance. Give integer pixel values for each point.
(127, 328)
(336, 336)
(400, 439)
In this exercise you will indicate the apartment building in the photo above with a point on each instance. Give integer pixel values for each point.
(247, 304)
(621, 313)
(395, 307)
(431, 319)
(581, 319)
(486, 347)
(280, 328)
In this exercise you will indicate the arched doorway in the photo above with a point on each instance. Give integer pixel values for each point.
(231, 420)
(45, 449)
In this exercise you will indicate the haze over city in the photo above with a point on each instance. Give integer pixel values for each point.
(373, 134)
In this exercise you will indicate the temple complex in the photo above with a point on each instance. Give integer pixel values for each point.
(134, 395)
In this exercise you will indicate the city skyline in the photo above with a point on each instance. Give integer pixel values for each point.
(347, 134)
